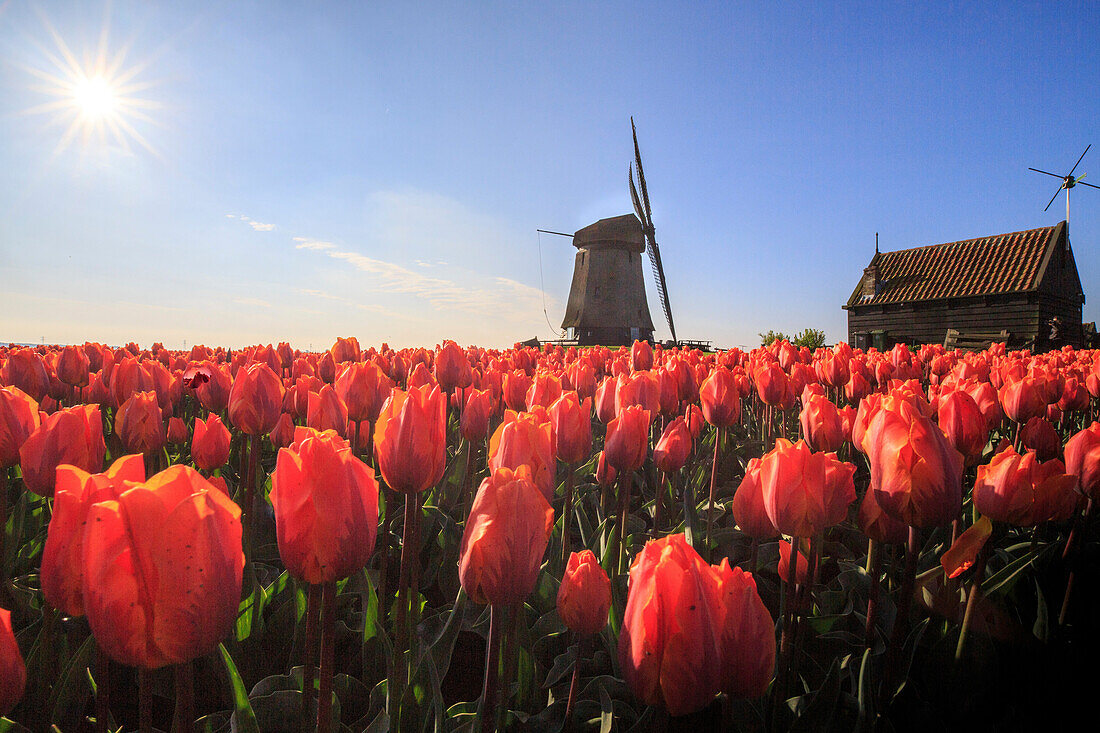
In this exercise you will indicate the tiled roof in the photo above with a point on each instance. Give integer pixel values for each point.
(1005, 263)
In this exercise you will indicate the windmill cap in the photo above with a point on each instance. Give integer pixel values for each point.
(616, 232)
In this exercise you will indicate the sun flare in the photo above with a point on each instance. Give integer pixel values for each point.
(98, 100)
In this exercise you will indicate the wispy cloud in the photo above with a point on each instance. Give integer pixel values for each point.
(314, 244)
(252, 301)
(261, 227)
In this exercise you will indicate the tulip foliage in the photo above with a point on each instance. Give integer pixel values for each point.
(458, 538)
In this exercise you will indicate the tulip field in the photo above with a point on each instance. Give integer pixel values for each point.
(595, 539)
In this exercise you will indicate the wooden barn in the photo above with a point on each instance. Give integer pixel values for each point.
(1012, 283)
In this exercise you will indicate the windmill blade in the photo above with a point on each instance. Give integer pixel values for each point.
(662, 287)
(648, 221)
(634, 198)
(1071, 170)
(1090, 185)
(1047, 172)
(1055, 196)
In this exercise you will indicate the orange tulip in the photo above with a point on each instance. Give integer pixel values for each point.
(747, 634)
(799, 499)
(474, 424)
(256, 399)
(177, 431)
(326, 411)
(605, 400)
(13, 672)
(363, 388)
(545, 389)
(877, 524)
(213, 392)
(61, 575)
(801, 563)
(720, 398)
(25, 370)
(1083, 460)
(638, 388)
(1023, 399)
(210, 443)
(73, 366)
(584, 597)
(1022, 491)
(505, 538)
(452, 368)
(18, 419)
(282, 435)
(162, 570)
(571, 428)
(748, 505)
(773, 386)
(672, 450)
(345, 349)
(515, 386)
(963, 424)
(641, 356)
(821, 424)
(628, 439)
(326, 507)
(915, 472)
(605, 472)
(410, 439)
(73, 436)
(524, 439)
(129, 377)
(138, 423)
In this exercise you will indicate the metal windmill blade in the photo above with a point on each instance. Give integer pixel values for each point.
(1068, 181)
(645, 215)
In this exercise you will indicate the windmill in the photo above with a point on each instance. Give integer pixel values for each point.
(645, 215)
(1068, 181)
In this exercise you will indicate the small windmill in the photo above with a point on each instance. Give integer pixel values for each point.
(645, 215)
(1068, 181)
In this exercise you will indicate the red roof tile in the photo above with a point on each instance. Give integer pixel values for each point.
(1005, 263)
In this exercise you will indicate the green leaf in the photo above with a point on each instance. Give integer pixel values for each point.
(68, 697)
(822, 708)
(243, 716)
(607, 716)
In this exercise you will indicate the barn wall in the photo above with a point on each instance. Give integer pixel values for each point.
(927, 322)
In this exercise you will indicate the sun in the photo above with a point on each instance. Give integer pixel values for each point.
(98, 101)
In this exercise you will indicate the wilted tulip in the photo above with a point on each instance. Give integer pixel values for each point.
(138, 423)
(628, 439)
(505, 538)
(1022, 491)
(162, 570)
(18, 419)
(584, 597)
(326, 507)
(73, 436)
(13, 672)
(571, 428)
(523, 439)
(410, 439)
(210, 443)
(61, 575)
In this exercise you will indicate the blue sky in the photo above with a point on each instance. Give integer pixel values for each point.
(379, 169)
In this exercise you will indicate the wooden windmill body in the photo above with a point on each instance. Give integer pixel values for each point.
(607, 303)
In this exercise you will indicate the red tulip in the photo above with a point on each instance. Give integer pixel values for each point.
(452, 368)
(638, 388)
(524, 439)
(571, 428)
(177, 431)
(605, 472)
(256, 400)
(802, 563)
(18, 419)
(326, 507)
(641, 356)
(1040, 436)
(474, 424)
(73, 436)
(1023, 399)
(821, 424)
(720, 399)
(61, 575)
(878, 525)
(840, 489)
(1022, 491)
(213, 393)
(915, 473)
(327, 411)
(210, 443)
(515, 386)
(73, 366)
(410, 439)
(345, 349)
(748, 505)
(25, 370)
(605, 400)
(747, 634)
(129, 377)
(545, 389)
(282, 435)
(797, 497)
(672, 450)
(584, 597)
(628, 439)
(13, 672)
(138, 423)
(363, 388)
(505, 538)
(162, 570)
(773, 386)
(963, 424)
(1083, 460)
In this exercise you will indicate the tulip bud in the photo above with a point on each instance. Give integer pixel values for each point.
(505, 538)
(73, 436)
(720, 399)
(410, 439)
(138, 423)
(821, 424)
(177, 431)
(584, 597)
(748, 505)
(571, 428)
(326, 411)
(18, 419)
(672, 450)
(256, 400)
(1083, 460)
(326, 508)
(628, 439)
(13, 672)
(210, 443)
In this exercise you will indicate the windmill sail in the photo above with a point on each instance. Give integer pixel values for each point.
(645, 215)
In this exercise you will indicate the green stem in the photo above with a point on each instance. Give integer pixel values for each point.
(972, 599)
(567, 515)
(102, 689)
(328, 656)
(489, 687)
(309, 667)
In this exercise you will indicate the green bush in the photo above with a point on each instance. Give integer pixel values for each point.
(811, 338)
